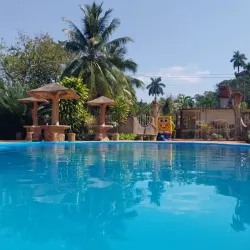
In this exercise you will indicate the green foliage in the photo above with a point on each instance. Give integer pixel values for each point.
(32, 61)
(215, 136)
(100, 62)
(143, 108)
(185, 102)
(127, 137)
(219, 124)
(13, 115)
(205, 127)
(208, 100)
(73, 112)
(243, 106)
(239, 84)
(155, 88)
(168, 105)
(120, 111)
(238, 60)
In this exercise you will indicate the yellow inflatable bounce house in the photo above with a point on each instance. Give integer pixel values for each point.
(165, 128)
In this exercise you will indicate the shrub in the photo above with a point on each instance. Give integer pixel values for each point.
(215, 136)
(219, 124)
(73, 112)
(129, 137)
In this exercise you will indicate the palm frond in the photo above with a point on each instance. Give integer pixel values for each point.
(75, 34)
(115, 23)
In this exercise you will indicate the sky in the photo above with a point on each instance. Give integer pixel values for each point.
(189, 43)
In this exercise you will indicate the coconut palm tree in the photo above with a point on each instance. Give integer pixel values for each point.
(238, 60)
(99, 61)
(155, 88)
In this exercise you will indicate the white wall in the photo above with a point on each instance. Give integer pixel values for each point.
(225, 114)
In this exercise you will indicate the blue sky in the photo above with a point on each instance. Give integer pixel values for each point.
(190, 39)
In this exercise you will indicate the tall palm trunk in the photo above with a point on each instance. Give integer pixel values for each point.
(238, 69)
(155, 98)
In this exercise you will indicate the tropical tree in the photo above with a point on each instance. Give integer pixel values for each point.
(238, 60)
(101, 62)
(208, 100)
(13, 115)
(241, 84)
(185, 102)
(143, 108)
(155, 88)
(32, 61)
(168, 105)
(247, 69)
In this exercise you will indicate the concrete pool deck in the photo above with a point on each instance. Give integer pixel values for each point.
(138, 141)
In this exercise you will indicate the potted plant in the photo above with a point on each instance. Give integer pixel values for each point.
(119, 115)
(205, 130)
(71, 136)
(115, 135)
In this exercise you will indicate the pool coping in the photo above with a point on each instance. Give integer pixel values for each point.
(192, 142)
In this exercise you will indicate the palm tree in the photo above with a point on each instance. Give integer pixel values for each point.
(100, 62)
(238, 60)
(156, 87)
(185, 102)
(247, 68)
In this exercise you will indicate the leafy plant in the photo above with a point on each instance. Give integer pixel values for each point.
(13, 115)
(243, 106)
(219, 124)
(120, 111)
(215, 136)
(128, 137)
(205, 127)
(73, 112)
(34, 61)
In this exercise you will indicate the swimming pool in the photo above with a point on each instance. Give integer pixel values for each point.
(117, 196)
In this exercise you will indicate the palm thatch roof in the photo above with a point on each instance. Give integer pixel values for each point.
(100, 101)
(30, 100)
(48, 91)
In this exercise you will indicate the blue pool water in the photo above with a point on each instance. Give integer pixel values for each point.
(105, 196)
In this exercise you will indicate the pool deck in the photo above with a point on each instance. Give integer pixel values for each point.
(172, 141)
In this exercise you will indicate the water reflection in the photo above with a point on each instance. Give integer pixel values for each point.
(78, 196)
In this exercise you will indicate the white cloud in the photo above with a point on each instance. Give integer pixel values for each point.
(189, 73)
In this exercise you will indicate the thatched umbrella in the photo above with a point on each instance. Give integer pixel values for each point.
(35, 104)
(101, 129)
(55, 92)
(102, 102)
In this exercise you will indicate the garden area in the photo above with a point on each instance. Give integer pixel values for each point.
(93, 63)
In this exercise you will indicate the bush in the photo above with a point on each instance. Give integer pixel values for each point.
(73, 112)
(219, 124)
(128, 137)
(215, 136)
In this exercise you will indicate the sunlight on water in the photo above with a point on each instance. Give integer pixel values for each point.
(124, 196)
